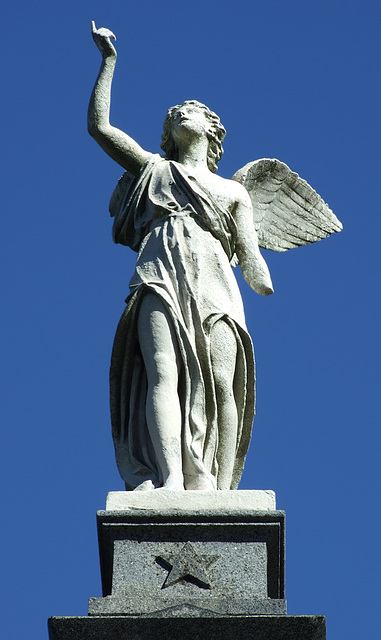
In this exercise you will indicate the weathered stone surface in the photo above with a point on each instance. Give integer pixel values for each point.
(217, 562)
(191, 500)
(192, 607)
(182, 369)
(188, 628)
(190, 574)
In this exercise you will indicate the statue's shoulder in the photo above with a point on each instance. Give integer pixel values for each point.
(239, 190)
(127, 183)
(123, 189)
(234, 191)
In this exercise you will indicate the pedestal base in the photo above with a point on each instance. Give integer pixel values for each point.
(185, 628)
(189, 556)
(190, 565)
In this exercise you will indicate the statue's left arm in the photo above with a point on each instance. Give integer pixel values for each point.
(253, 266)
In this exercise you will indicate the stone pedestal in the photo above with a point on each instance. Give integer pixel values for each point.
(194, 554)
(184, 628)
(186, 564)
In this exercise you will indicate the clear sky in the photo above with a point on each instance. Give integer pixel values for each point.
(293, 79)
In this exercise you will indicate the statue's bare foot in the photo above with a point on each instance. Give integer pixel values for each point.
(173, 483)
(200, 483)
(147, 485)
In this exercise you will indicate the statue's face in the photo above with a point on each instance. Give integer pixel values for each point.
(191, 119)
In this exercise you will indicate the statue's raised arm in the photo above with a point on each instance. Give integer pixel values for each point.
(119, 146)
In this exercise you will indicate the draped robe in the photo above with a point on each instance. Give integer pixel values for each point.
(185, 243)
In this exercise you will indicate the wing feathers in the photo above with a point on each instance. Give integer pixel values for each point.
(287, 211)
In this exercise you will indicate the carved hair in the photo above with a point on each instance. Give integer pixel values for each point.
(216, 134)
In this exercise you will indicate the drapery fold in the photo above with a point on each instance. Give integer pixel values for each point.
(185, 242)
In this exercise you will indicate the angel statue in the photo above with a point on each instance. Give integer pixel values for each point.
(182, 367)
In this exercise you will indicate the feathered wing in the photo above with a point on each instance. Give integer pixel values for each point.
(287, 211)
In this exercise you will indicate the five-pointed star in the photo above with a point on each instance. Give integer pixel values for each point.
(188, 565)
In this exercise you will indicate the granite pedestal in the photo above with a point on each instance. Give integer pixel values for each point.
(186, 564)
(184, 628)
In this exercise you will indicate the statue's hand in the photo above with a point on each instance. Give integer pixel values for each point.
(102, 38)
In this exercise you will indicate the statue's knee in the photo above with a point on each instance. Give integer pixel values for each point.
(223, 382)
(223, 355)
(223, 341)
(164, 368)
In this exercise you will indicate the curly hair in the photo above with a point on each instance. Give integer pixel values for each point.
(216, 134)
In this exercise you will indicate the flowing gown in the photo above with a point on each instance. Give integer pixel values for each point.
(185, 244)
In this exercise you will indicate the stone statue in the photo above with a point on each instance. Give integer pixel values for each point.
(182, 368)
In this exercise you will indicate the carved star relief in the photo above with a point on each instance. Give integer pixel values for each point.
(187, 565)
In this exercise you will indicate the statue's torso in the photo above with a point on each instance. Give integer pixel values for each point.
(189, 241)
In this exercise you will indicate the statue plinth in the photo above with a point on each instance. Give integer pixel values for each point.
(244, 500)
(178, 564)
(190, 553)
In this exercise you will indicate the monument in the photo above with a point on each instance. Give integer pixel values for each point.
(182, 551)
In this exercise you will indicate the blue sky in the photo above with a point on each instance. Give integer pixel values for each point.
(291, 79)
